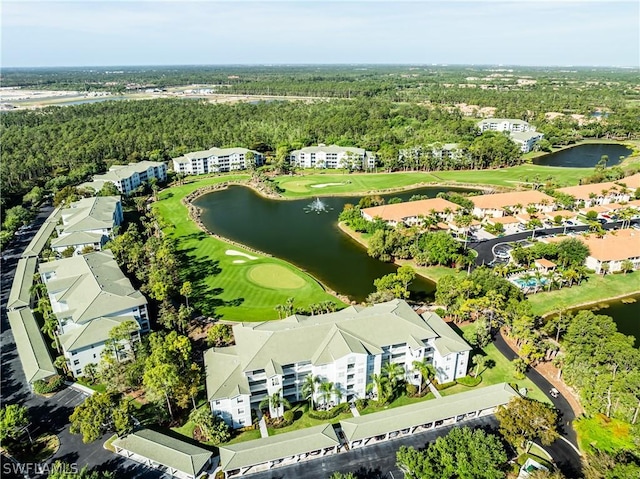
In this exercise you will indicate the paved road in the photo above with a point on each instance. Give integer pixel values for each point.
(377, 461)
(50, 414)
(485, 248)
(564, 455)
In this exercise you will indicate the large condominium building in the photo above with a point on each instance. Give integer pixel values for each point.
(128, 177)
(499, 204)
(332, 157)
(90, 296)
(504, 124)
(526, 139)
(412, 212)
(215, 160)
(520, 131)
(345, 348)
(87, 223)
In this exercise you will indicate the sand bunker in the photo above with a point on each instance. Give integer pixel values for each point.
(324, 185)
(233, 252)
(238, 261)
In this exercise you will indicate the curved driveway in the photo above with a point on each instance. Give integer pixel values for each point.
(565, 455)
(485, 248)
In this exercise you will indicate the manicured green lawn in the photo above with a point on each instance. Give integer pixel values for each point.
(303, 185)
(403, 400)
(221, 285)
(302, 420)
(595, 288)
(502, 372)
(605, 434)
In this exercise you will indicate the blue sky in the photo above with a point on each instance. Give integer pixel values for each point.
(88, 32)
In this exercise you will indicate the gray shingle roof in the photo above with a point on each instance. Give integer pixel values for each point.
(93, 332)
(330, 149)
(37, 244)
(276, 447)
(20, 294)
(32, 349)
(92, 286)
(76, 238)
(321, 339)
(165, 450)
(194, 155)
(118, 172)
(90, 214)
(425, 412)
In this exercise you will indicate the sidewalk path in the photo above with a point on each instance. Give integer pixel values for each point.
(354, 410)
(434, 390)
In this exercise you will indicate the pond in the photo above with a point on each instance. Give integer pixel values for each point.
(312, 241)
(585, 156)
(625, 312)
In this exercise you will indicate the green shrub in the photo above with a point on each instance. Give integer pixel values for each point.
(443, 386)
(361, 404)
(330, 414)
(441, 312)
(411, 389)
(288, 416)
(49, 386)
(469, 381)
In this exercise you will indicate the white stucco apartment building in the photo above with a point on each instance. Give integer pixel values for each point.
(345, 348)
(594, 194)
(504, 124)
(87, 222)
(127, 178)
(90, 296)
(520, 131)
(215, 160)
(501, 204)
(332, 157)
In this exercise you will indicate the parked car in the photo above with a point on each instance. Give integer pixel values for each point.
(570, 223)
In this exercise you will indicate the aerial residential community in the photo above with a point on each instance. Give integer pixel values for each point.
(400, 258)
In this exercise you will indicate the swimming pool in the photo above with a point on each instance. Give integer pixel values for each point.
(531, 283)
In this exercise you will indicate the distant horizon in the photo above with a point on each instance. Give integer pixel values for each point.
(100, 33)
(272, 64)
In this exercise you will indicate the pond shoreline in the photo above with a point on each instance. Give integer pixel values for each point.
(195, 213)
(592, 303)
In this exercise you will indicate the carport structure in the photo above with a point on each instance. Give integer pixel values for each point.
(402, 421)
(172, 456)
(32, 349)
(279, 450)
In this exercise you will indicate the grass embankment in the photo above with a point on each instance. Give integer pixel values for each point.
(221, 283)
(594, 289)
(605, 434)
(432, 273)
(502, 371)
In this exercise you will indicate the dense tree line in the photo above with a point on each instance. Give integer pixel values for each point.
(603, 365)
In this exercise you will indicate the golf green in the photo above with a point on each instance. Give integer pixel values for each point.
(274, 276)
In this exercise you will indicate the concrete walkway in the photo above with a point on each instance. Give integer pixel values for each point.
(434, 390)
(264, 432)
(354, 410)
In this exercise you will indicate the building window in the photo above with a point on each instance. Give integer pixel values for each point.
(240, 411)
(275, 381)
(78, 371)
(240, 400)
(76, 362)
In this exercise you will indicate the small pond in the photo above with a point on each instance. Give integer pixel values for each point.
(310, 240)
(585, 156)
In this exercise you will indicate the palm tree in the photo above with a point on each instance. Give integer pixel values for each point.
(50, 328)
(626, 266)
(570, 275)
(395, 373)
(426, 370)
(501, 270)
(276, 404)
(327, 390)
(309, 388)
(280, 309)
(288, 307)
(479, 361)
(379, 382)
(538, 277)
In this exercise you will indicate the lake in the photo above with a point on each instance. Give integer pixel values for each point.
(625, 314)
(585, 156)
(309, 240)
